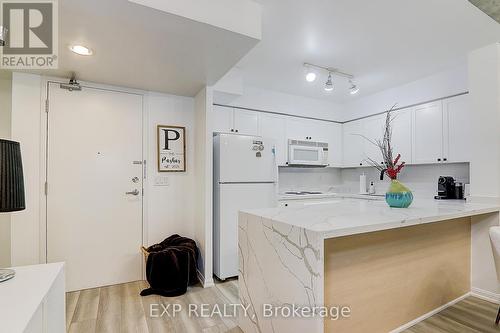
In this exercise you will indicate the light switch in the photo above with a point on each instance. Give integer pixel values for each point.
(161, 181)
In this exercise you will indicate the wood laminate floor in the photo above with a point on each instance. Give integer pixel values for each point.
(120, 309)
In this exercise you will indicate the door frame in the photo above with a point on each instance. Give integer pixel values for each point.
(53, 83)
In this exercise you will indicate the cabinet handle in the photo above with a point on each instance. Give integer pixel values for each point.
(445, 159)
(439, 160)
(232, 130)
(236, 131)
(286, 205)
(360, 163)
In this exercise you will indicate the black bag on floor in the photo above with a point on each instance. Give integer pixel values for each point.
(171, 266)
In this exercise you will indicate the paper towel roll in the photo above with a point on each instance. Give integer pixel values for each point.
(362, 184)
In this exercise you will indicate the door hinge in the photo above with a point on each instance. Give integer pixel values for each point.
(46, 188)
(46, 106)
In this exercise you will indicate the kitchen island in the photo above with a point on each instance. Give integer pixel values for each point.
(354, 265)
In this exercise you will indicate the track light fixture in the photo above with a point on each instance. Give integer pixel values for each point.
(353, 90)
(329, 83)
(311, 76)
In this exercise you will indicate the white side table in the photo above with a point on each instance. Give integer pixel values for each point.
(34, 300)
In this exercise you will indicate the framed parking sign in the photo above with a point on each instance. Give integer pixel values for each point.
(171, 148)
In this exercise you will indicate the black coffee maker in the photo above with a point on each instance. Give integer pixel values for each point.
(449, 189)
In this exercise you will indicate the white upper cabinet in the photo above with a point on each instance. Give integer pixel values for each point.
(231, 120)
(428, 133)
(373, 131)
(321, 131)
(246, 122)
(302, 129)
(402, 134)
(222, 119)
(335, 146)
(274, 127)
(353, 144)
(457, 119)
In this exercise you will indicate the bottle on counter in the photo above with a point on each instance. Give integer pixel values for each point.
(372, 190)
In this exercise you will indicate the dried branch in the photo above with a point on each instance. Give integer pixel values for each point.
(390, 165)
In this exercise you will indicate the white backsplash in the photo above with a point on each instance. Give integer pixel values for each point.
(421, 179)
(308, 179)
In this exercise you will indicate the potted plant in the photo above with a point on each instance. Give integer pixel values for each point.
(398, 195)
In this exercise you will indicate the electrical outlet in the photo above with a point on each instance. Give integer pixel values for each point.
(161, 181)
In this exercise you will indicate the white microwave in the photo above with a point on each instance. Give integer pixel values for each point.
(307, 153)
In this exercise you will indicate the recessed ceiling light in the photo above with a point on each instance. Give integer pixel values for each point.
(310, 73)
(310, 77)
(81, 50)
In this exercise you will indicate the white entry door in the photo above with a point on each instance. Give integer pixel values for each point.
(94, 175)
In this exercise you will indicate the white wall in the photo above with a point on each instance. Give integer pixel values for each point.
(443, 84)
(26, 128)
(274, 101)
(484, 87)
(5, 129)
(203, 171)
(170, 208)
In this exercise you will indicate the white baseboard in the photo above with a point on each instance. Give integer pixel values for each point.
(430, 314)
(486, 295)
(206, 283)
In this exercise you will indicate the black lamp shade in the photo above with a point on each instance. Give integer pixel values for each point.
(11, 177)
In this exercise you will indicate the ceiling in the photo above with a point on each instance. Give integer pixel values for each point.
(384, 43)
(140, 47)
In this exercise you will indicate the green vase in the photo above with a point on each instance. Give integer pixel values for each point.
(398, 195)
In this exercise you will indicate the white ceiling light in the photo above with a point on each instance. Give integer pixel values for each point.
(329, 83)
(310, 74)
(353, 90)
(81, 50)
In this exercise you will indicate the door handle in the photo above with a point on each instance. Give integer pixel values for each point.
(134, 192)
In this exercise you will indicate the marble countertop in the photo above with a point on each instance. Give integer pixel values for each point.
(348, 216)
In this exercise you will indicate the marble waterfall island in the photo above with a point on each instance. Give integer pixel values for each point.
(353, 265)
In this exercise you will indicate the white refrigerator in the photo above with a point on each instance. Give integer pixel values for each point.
(245, 173)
